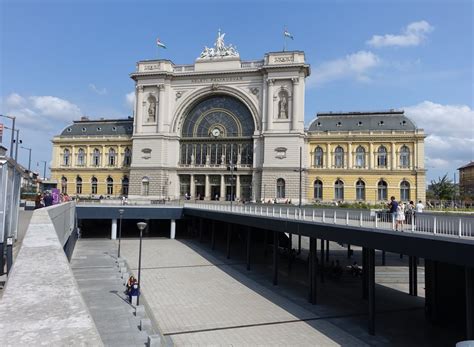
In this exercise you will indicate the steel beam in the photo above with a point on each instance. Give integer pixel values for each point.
(371, 279)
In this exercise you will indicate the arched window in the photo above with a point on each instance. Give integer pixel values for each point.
(94, 185)
(280, 188)
(405, 191)
(145, 186)
(78, 185)
(318, 157)
(382, 190)
(125, 182)
(110, 185)
(404, 157)
(81, 157)
(360, 157)
(64, 185)
(339, 190)
(66, 157)
(96, 157)
(382, 157)
(127, 158)
(360, 190)
(111, 157)
(339, 157)
(318, 190)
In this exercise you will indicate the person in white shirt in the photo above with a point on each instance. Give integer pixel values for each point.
(419, 207)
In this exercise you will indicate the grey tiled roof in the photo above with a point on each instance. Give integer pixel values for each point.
(361, 121)
(105, 127)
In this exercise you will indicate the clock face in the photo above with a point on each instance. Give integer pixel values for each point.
(216, 132)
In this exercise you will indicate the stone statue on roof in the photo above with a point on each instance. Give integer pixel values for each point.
(220, 50)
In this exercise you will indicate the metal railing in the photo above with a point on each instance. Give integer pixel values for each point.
(453, 226)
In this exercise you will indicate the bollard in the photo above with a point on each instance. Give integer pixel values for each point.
(154, 341)
(145, 324)
(139, 311)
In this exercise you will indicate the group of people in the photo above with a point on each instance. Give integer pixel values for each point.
(46, 199)
(401, 212)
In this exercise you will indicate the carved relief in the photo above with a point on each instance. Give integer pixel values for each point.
(254, 91)
(280, 152)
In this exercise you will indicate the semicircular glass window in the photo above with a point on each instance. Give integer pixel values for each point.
(229, 115)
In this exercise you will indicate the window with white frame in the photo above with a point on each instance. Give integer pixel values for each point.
(405, 191)
(145, 186)
(78, 185)
(280, 188)
(96, 157)
(66, 157)
(404, 157)
(339, 157)
(382, 157)
(81, 157)
(360, 190)
(339, 190)
(110, 186)
(111, 157)
(360, 157)
(318, 190)
(318, 157)
(382, 190)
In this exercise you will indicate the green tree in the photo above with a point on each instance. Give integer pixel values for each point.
(443, 188)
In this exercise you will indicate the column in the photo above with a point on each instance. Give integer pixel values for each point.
(328, 156)
(222, 196)
(139, 109)
(393, 161)
(161, 107)
(237, 187)
(313, 270)
(207, 189)
(295, 104)
(173, 229)
(371, 290)
(469, 275)
(270, 104)
(193, 187)
(371, 155)
(349, 155)
(113, 230)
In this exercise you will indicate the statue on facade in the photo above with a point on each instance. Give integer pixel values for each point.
(283, 106)
(220, 50)
(151, 109)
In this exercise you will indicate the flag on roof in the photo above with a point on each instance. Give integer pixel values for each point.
(286, 33)
(160, 44)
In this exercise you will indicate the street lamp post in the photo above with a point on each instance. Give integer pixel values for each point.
(29, 157)
(13, 130)
(120, 211)
(44, 168)
(15, 141)
(141, 226)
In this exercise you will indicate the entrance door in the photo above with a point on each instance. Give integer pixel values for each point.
(200, 191)
(229, 191)
(215, 192)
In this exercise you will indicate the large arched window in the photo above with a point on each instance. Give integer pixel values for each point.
(94, 185)
(405, 191)
(280, 188)
(382, 157)
(382, 190)
(404, 157)
(339, 190)
(127, 157)
(66, 157)
(96, 157)
(360, 157)
(318, 157)
(111, 157)
(81, 157)
(125, 183)
(360, 190)
(318, 190)
(339, 157)
(78, 185)
(64, 185)
(110, 186)
(145, 186)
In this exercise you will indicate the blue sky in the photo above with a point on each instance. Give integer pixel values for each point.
(64, 59)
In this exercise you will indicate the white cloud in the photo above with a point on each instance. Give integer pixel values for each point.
(96, 90)
(355, 65)
(41, 112)
(413, 35)
(450, 130)
(130, 100)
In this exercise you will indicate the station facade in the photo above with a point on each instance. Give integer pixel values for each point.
(223, 128)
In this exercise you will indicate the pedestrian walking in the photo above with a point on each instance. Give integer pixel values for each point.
(400, 216)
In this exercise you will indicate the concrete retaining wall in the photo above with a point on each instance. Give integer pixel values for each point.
(41, 303)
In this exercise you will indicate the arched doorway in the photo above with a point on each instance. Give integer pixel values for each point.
(216, 150)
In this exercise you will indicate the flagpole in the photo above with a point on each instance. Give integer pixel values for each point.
(284, 39)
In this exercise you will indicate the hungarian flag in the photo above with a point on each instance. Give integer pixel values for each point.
(286, 33)
(160, 44)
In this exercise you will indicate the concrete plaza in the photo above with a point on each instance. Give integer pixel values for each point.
(198, 297)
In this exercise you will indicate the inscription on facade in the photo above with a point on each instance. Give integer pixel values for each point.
(216, 79)
(151, 67)
(284, 59)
